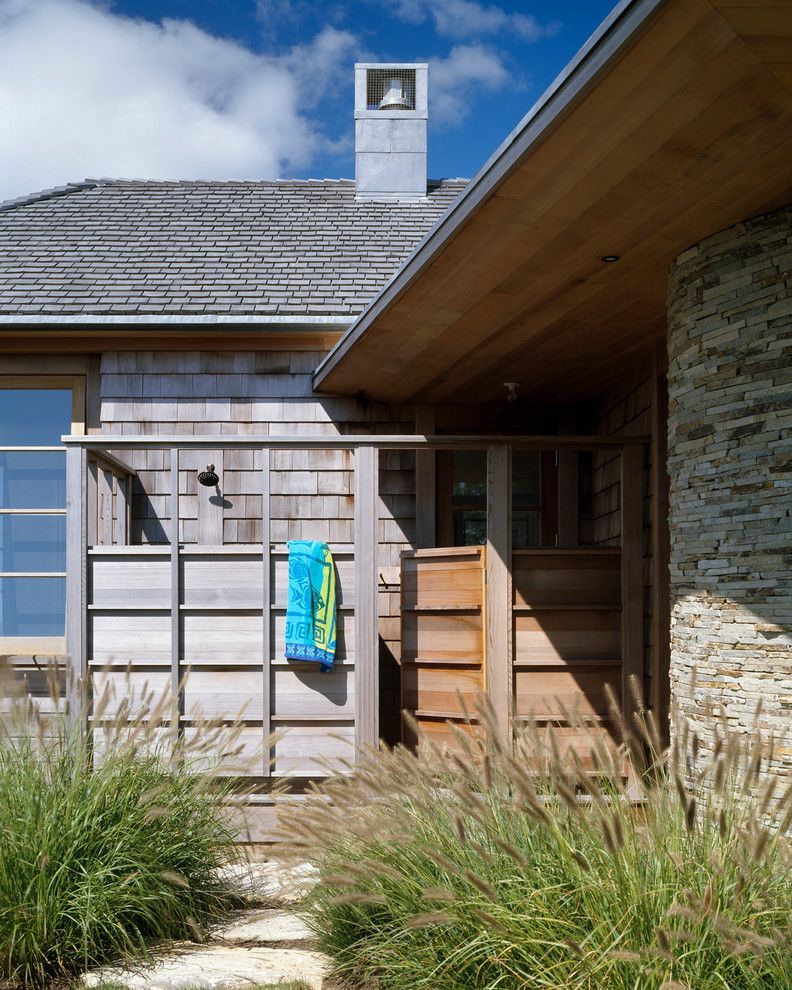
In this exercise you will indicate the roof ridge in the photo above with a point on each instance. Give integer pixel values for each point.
(74, 187)
(53, 193)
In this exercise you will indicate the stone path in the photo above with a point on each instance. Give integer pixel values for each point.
(266, 943)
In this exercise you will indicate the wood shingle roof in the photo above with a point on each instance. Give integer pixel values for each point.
(247, 248)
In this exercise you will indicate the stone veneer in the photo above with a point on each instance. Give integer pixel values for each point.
(730, 463)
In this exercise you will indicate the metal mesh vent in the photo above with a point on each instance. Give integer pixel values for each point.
(378, 84)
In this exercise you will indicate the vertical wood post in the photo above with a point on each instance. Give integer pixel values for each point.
(498, 611)
(425, 485)
(92, 503)
(175, 598)
(366, 611)
(210, 514)
(120, 529)
(106, 501)
(266, 614)
(632, 458)
(76, 581)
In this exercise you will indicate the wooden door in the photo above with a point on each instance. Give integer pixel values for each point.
(443, 634)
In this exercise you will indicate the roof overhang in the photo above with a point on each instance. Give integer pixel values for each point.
(161, 331)
(673, 122)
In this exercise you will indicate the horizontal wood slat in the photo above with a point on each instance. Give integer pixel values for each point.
(442, 632)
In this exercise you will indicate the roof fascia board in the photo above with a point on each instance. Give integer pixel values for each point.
(617, 31)
(165, 319)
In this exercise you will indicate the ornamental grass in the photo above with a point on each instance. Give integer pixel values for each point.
(476, 867)
(110, 842)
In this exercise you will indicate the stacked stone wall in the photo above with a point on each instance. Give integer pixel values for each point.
(730, 464)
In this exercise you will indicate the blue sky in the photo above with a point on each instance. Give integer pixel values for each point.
(259, 88)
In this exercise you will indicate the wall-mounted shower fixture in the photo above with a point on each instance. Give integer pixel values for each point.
(208, 478)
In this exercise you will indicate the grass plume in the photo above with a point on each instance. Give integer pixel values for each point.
(112, 840)
(537, 867)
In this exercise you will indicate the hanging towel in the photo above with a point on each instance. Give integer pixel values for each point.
(311, 610)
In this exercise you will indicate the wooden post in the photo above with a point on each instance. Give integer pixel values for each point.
(425, 486)
(92, 503)
(106, 501)
(76, 581)
(632, 459)
(266, 614)
(175, 597)
(210, 514)
(122, 511)
(366, 565)
(498, 611)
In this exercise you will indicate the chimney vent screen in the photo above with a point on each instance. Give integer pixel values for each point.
(379, 85)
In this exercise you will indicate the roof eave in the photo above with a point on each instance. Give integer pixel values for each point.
(619, 29)
(262, 322)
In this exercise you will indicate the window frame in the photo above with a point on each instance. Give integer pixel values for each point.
(11, 646)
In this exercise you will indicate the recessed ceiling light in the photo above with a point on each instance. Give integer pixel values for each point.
(610, 258)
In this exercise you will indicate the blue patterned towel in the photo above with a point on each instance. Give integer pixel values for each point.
(311, 610)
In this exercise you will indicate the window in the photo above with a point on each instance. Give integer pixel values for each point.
(34, 414)
(469, 498)
(526, 499)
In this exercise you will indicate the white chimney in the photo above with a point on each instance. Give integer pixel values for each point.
(391, 111)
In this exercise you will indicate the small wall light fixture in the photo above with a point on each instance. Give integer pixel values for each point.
(610, 258)
(208, 478)
(511, 391)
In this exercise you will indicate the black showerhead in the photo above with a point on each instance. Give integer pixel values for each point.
(208, 478)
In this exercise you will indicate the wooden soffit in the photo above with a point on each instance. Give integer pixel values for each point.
(674, 122)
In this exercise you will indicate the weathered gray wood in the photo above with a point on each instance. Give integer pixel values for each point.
(106, 481)
(425, 484)
(92, 503)
(76, 578)
(366, 569)
(302, 750)
(266, 614)
(383, 441)
(140, 581)
(175, 596)
(109, 460)
(632, 459)
(93, 393)
(499, 599)
(121, 531)
(210, 513)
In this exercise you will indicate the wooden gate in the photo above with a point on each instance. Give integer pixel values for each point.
(566, 637)
(443, 637)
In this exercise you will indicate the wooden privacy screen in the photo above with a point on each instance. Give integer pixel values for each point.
(443, 635)
(567, 636)
(219, 602)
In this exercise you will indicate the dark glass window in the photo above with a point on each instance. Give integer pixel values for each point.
(469, 498)
(33, 511)
(526, 499)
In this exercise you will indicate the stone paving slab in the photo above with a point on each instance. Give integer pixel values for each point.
(263, 926)
(274, 883)
(219, 968)
(262, 945)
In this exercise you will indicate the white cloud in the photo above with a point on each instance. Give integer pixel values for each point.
(87, 92)
(466, 18)
(455, 82)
